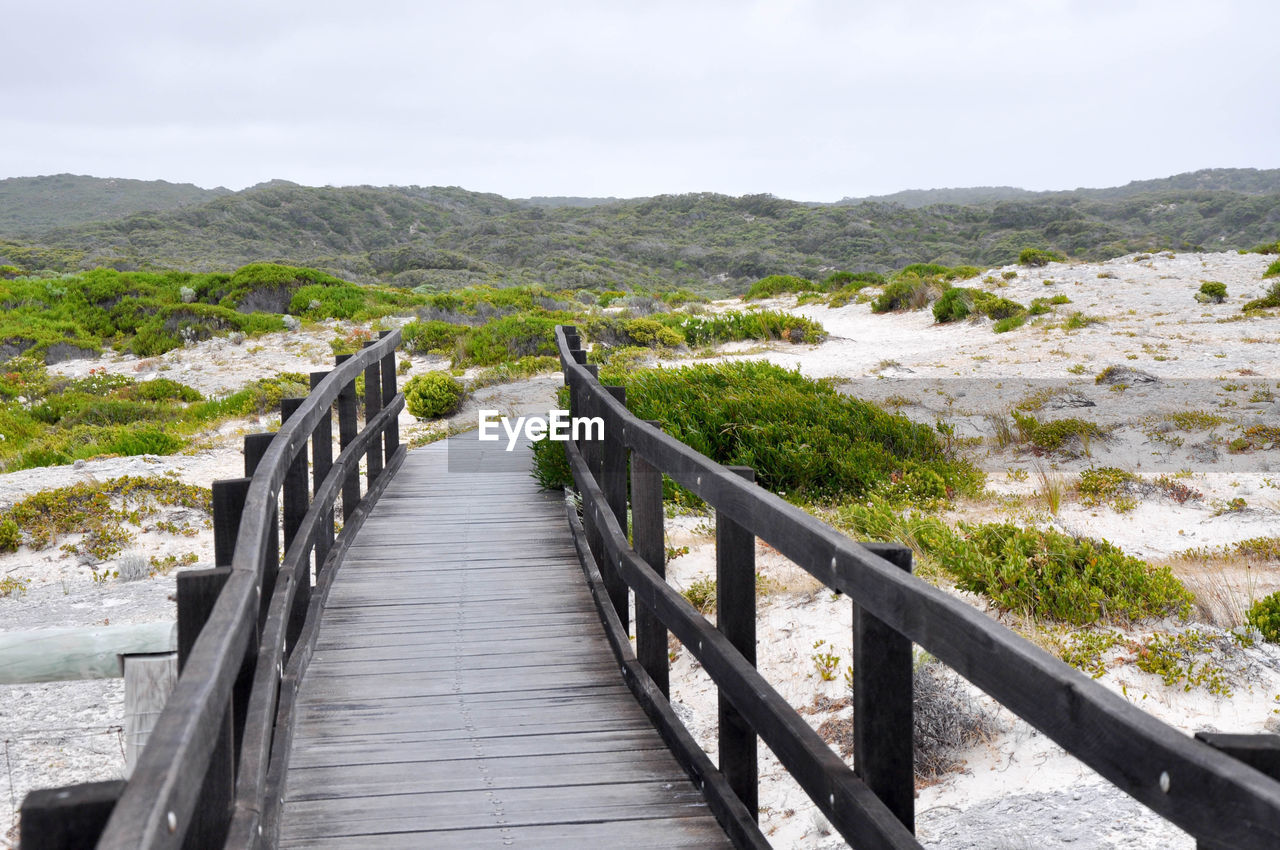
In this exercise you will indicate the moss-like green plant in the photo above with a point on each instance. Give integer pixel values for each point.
(1037, 257)
(433, 395)
(1211, 291)
(1271, 299)
(777, 284)
(1057, 434)
(10, 535)
(1264, 615)
(551, 465)
(801, 436)
(1173, 659)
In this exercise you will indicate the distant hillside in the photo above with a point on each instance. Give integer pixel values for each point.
(33, 205)
(1245, 181)
(448, 237)
(564, 201)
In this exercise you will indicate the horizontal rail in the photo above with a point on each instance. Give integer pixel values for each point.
(1189, 783)
(158, 804)
(91, 652)
(857, 813)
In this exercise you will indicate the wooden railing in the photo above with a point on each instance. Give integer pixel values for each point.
(1206, 787)
(212, 772)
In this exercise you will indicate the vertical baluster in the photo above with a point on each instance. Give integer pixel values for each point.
(650, 544)
(613, 481)
(197, 592)
(321, 463)
(347, 430)
(296, 502)
(255, 446)
(736, 620)
(372, 404)
(390, 437)
(228, 508)
(882, 703)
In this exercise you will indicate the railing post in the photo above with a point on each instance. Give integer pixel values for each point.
(372, 404)
(613, 482)
(882, 703)
(197, 592)
(649, 542)
(347, 430)
(148, 681)
(391, 437)
(586, 406)
(736, 620)
(255, 446)
(228, 508)
(68, 818)
(1261, 752)
(321, 463)
(296, 502)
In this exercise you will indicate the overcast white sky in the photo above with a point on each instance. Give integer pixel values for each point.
(806, 99)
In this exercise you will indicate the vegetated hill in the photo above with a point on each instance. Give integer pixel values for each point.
(32, 205)
(448, 237)
(565, 201)
(1246, 181)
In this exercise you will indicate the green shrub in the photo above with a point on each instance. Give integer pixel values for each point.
(1036, 257)
(1102, 484)
(10, 536)
(777, 284)
(551, 465)
(1057, 434)
(1010, 323)
(1273, 270)
(1264, 615)
(1050, 575)
(651, 333)
(1211, 291)
(164, 389)
(1271, 299)
(801, 436)
(433, 395)
(904, 293)
(993, 306)
(852, 281)
(954, 305)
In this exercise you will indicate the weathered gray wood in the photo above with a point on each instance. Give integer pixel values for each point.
(1206, 792)
(736, 620)
(148, 679)
(321, 463)
(433, 691)
(613, 480)
(883, 704)
(347, 428)
(649, 541)
(54, 655)
(391, 437)
(255, 449)
(372, 404)
(70, 818)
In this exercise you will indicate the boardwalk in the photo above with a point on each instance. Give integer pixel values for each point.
(462, 693)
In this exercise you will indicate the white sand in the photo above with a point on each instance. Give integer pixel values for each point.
(1016, 790)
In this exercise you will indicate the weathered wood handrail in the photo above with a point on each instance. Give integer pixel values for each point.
(1202, 790)
(235, 643)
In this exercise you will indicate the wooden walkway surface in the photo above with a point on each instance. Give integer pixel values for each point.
(462, 692)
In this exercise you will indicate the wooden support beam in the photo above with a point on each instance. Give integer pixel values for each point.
(348, 427)
(613, 481)
(321, 463)
(883, 703)
(197, 592)
(297, 499)
(255, 447)
(70, 818)
(736, 620)
(372, 404)
(148, 679)
(1261, 752)
(228, 508)
(650, 544)
(390, 437)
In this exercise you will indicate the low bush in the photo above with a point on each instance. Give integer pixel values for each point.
(1271, 299)
(1065, 435)
(852, 281)
(801, 436)
(1273, 270)
(1212, 291)
(433, 395)
(777, 284)
(1265, 616)
(1036, 257)
(1042, 574)
(551, 465)
(904, 293)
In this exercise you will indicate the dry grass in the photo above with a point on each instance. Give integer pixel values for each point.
(1053, 486)
(1224, 586)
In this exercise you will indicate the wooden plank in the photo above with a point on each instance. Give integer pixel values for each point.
(640, 834)
(461, 663)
